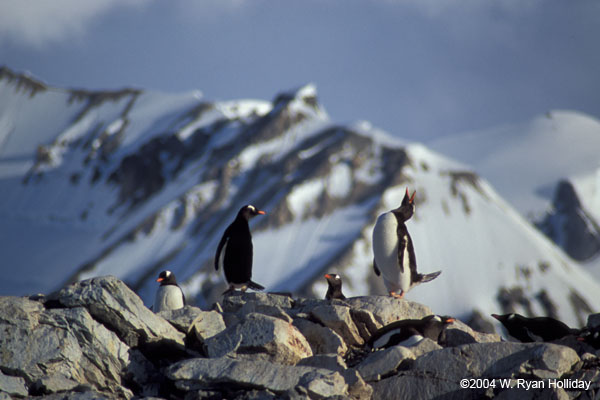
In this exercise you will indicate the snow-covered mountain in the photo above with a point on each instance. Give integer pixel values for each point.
(131, 182)
(549, 169)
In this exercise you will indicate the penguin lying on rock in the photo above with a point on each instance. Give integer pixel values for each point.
(393, 250)
(536, 329)
(169, 295)
(409, 331)
(235, 252)
(334, 287)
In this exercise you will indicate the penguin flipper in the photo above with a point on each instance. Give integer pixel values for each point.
(377, 271)
(255, 286)
(220, 248)
(422, 278)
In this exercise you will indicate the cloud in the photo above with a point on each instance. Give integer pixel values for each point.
(39, 22)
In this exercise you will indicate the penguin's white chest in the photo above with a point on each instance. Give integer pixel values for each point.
(168, 297)
(385, 250)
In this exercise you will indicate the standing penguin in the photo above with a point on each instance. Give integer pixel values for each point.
(393, 250)
(536, 329)
(334, 287)
(234, 253)
(169, 295)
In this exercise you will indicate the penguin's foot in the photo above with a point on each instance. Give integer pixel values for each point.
(230, 290)
(396, 295)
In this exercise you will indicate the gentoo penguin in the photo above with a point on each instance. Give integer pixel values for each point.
(334, 289)
(537, 329)
(409, 331)
(394, 252)
(234, 253)
(169, 295)
(591, 337)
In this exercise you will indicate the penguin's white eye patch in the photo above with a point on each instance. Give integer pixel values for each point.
(437, 318)
(511, 316)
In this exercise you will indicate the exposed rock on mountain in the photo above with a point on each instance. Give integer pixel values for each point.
(570, 225)
(86, 341)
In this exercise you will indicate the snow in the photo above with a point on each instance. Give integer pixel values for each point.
(339, 182)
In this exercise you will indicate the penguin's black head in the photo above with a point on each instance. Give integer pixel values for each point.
(440, 319)
(166, 278)
(334, 280)
(249, 211)
(407, 208)
(508, 318)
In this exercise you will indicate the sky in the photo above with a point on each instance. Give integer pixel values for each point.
(419, 69)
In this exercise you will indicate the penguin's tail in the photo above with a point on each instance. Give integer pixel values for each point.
(428, 277)
(255, 286)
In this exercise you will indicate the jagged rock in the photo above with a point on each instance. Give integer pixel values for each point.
(498, 360)
(338, 318)
(332, 362)
(459, 333)
(110, 301)
(59, 349)
(201, 373)
(384, 362)
(189, 319)
(322, 340)
(260, 337)
(411, 385)
(236, 300)
(387, 309)
(13, 385)
(366, 322)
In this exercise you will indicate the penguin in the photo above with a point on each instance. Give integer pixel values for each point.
(334, 289)
(394, 254)
(169, 295)
(537, 329)
(234, 252)
(590, 337)
(409, 331)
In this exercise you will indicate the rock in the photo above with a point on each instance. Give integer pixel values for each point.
(380, 364)
(260, 337)
(459, 333)
(498, 360)
(13, 385)
(111, 302)
(230, 374)
(322, 340)
(387, 309)
(366, 323)
(59, 349)
(331, 362)
(339, 319)
(411, 385)
(181, 318)
(234, 301)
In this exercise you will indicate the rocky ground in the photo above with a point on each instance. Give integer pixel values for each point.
(96, 339)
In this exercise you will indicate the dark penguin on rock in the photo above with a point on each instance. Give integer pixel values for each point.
(409, 331)
(394, 253)
(234, 253)
(536, 329)
(169, 295)
(334, 289)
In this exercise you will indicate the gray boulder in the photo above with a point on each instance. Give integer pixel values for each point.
(229, 375)
(111, 302)
(322, 340)
(260, 337)
(459, 333)
(339, 319)
(387, 309)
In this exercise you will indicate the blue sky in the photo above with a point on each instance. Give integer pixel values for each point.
(419, 69)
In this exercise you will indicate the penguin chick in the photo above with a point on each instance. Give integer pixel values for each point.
(394, 254)
(169, 295)
(235, 252)
(536, 329)
(409, 331)
(334, 287)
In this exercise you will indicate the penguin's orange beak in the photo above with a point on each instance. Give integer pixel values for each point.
(450, 320)
(261, 212)
(327, 276)
(160, 279)
(412, 198)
